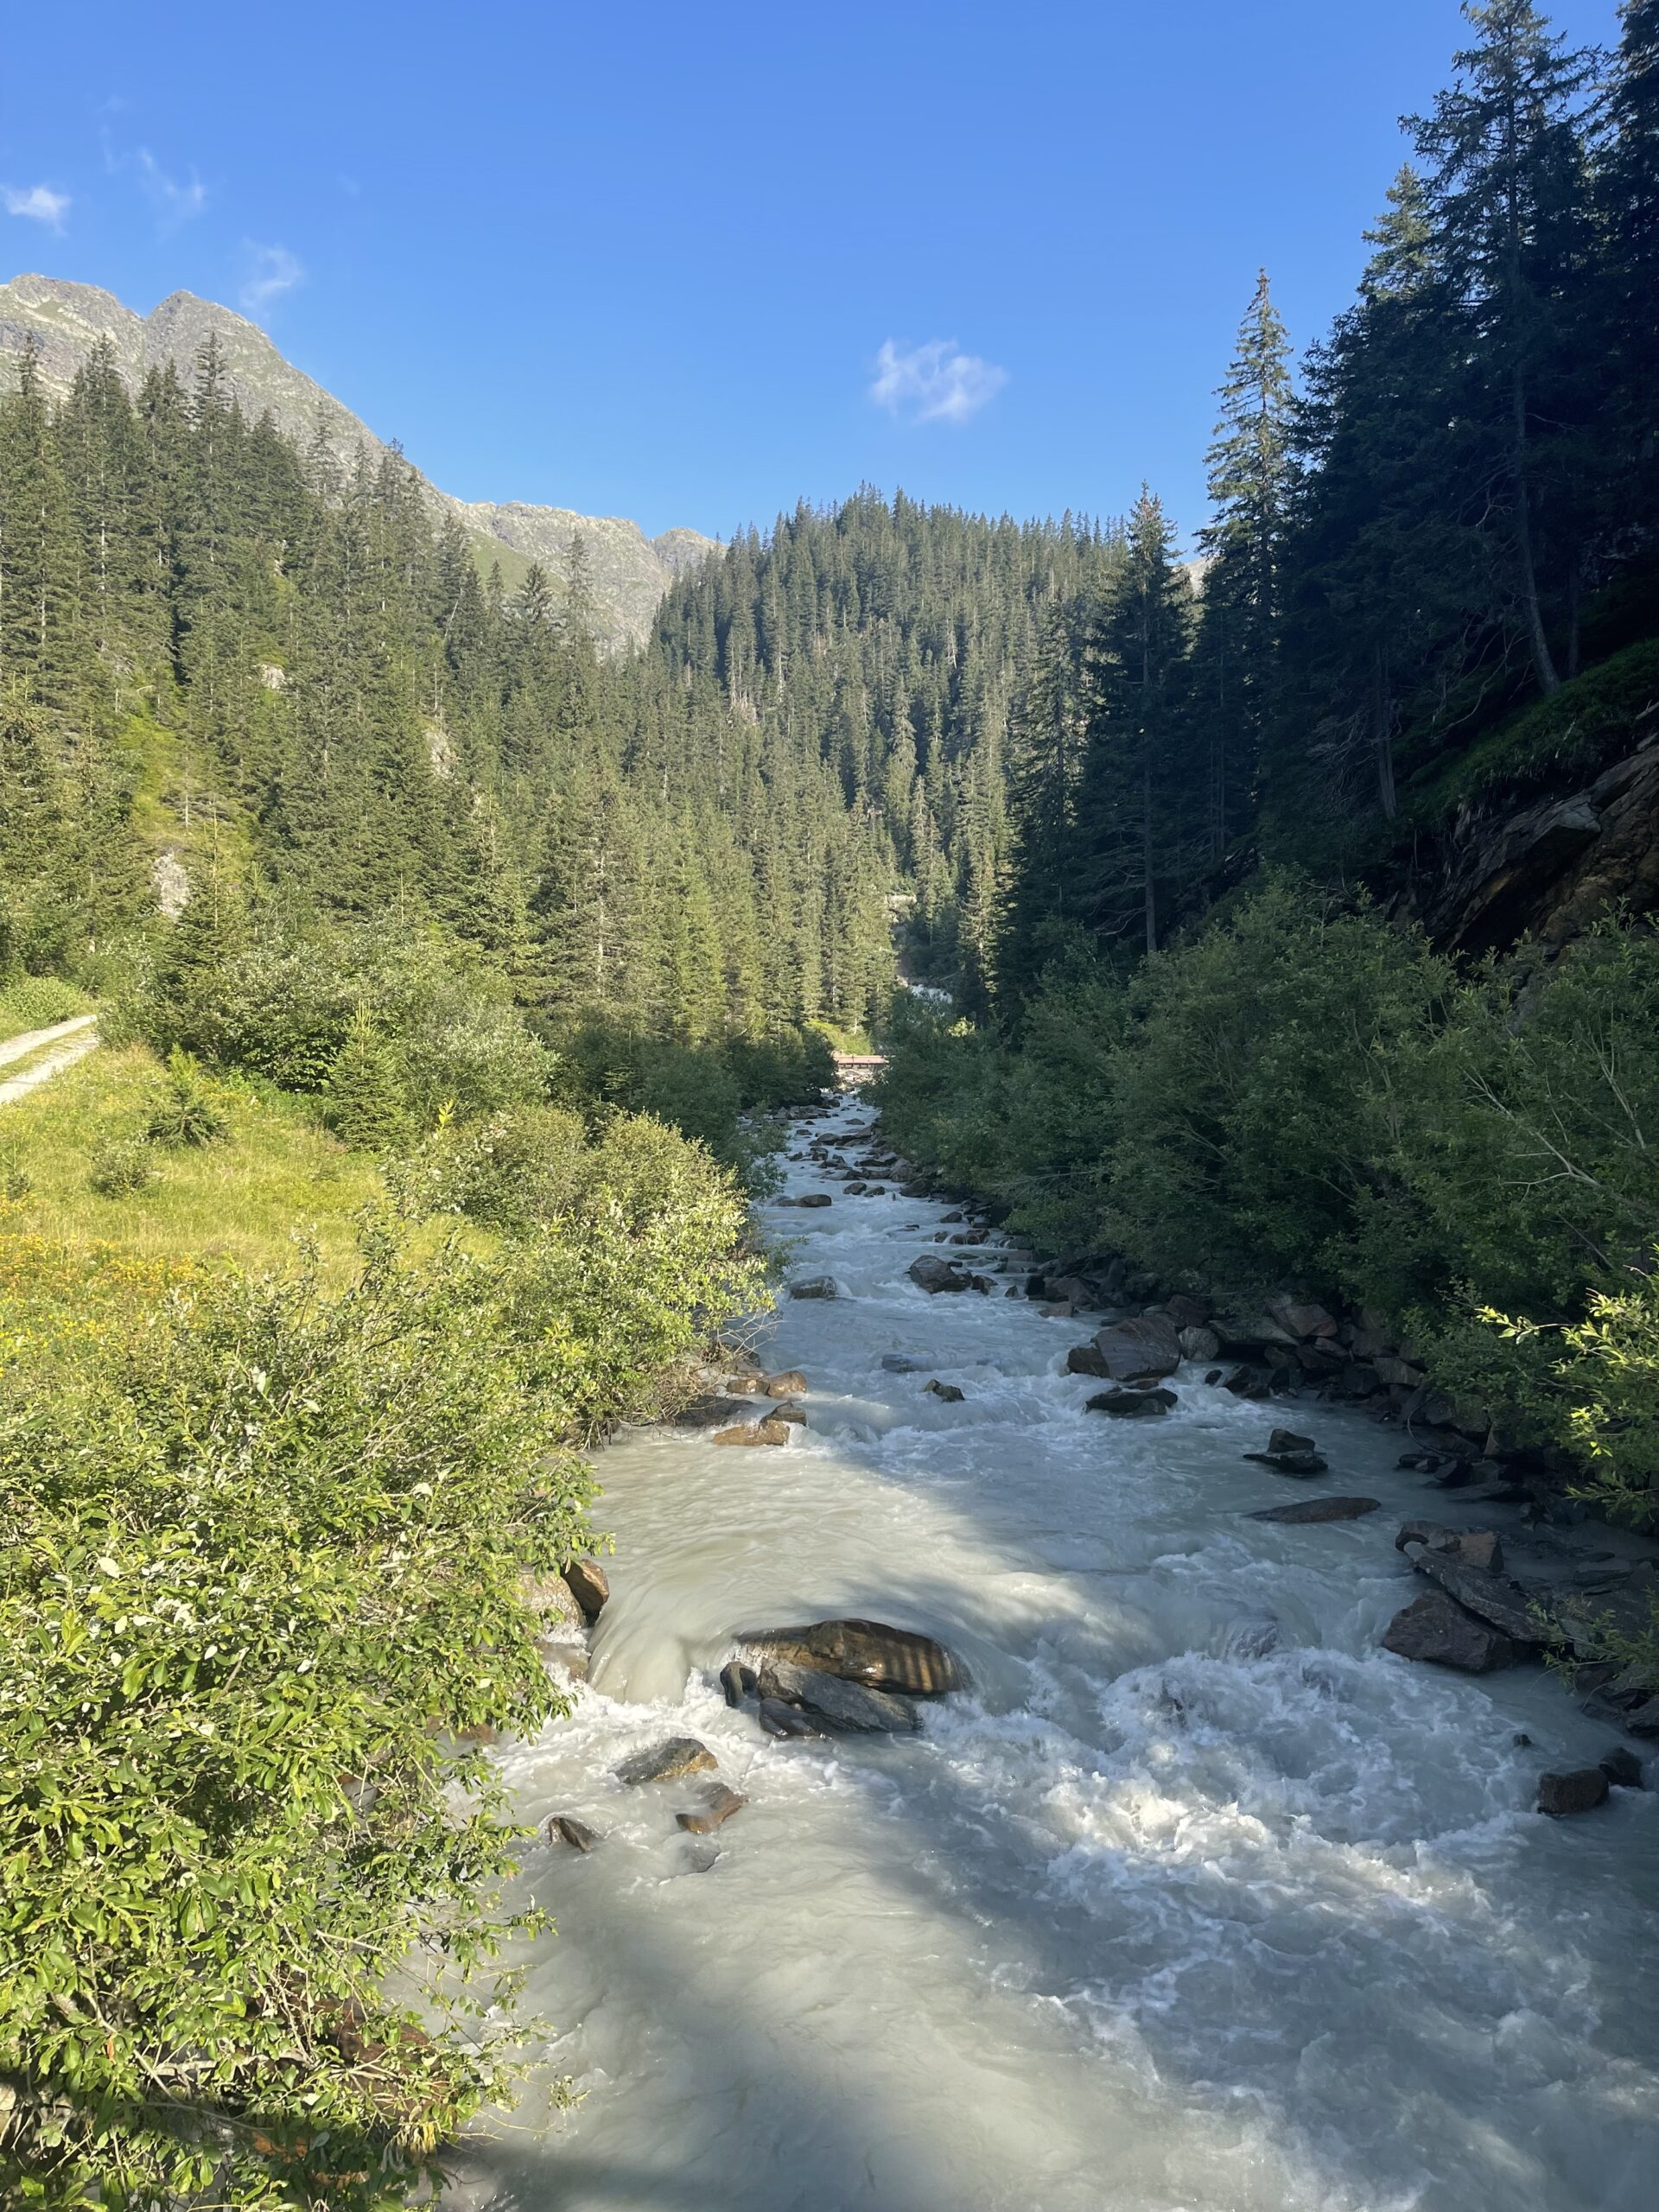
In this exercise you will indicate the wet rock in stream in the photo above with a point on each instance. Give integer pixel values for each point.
(718, 1805)
(564, 1827)
(814, 1287)
(669, 1762)
(1132, 1405)
(1287, 1454)
(841, 1704)
(789, 1384)
(862, 1651)
(1580, 1791)
(588, 1583)
(778, 1718)
(1433, 1629)
(1311, 1510)
(773, 1430)
(935, 1275)
(947, 1393)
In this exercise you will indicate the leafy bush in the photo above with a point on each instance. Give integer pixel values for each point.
(514, 1171)
(122, 1167)
(16, 1181)
(632, 1241)
(266, 1551)
(1303, 1096)
(293, 997)
(38, 1002)
(724, 1096)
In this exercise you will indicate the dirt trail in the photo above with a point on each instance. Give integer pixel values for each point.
(67, 1042)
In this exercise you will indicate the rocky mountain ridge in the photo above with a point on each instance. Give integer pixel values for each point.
(629, 572)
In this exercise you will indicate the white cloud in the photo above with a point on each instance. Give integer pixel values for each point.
(39, 202)
(175, 203)
(272, 270)
(934, 383)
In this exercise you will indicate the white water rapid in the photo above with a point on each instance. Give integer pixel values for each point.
(1199, 1902)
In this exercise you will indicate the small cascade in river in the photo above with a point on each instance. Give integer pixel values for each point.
(1198, 1901)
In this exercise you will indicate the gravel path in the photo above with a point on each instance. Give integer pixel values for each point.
(67, 1042)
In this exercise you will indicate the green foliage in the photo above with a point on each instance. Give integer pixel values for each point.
(122, 1167)
(1304, 1097)
(723, 1094)
(388, 1025)
(38, 1002)
(191, 1111)
(632, 1241)
(263, 1539)
(365, 1097)
(1565, 738)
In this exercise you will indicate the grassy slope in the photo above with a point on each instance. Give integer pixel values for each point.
(275, 1175)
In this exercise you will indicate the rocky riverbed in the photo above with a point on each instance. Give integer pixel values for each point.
(1166, 1878)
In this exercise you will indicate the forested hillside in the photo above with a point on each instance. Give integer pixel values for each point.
(225, 657)
(890, 638)
(1324, 956)
(1431, 577)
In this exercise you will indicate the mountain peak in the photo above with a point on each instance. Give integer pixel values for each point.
(629, 572)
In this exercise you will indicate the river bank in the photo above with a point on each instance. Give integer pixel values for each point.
(1197, 1898)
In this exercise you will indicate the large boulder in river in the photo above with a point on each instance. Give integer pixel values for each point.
(814, 1287)
(935, 1275)
(1493, 1598)
(1580, 1791)
(862, 1651)
(840, 1703)
(1432, 1627)
(1137, 1350)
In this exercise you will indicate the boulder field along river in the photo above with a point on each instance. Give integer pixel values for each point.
(1188, 1897)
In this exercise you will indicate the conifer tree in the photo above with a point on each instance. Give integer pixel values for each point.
(1131, 848)
(1249, 485)
(1506, 196)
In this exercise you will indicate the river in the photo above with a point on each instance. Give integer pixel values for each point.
(1197, 1902)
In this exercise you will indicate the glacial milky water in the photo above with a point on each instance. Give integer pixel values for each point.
(1199, 1903)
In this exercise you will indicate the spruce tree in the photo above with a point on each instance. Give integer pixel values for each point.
(1249, 485)
(1131, 848)
(1505, 194)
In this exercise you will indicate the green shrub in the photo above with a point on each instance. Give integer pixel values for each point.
(265, 1556)
(291, 998)
(632, 1241)
(191, 1111)
(16, 1181)
(38, 1002)
(122, 1167)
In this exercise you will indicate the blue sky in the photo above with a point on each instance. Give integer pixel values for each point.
(691, 264)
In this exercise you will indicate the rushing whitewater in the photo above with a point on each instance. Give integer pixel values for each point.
(1197, 1902)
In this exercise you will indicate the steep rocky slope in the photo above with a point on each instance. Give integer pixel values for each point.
(629, 572)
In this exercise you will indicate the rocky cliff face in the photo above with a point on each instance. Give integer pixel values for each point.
(629, 572)
(1549, 870)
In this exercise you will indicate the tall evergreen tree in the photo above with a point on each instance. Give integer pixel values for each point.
(1132, 853)
(1506, 196)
